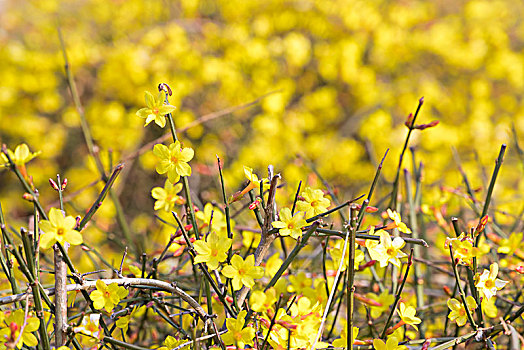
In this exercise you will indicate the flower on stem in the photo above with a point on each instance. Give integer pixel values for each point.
(289, 225)
(107, 296)
(59, 229)
(89, 329)
(20, 156)
(173, 160)
(336, 255)
(243, 272)
(385, 299)
(172, 342)
(213, 250)
(342, 342)
(458, 311)
(237, 334)
(262, 301)
(17, 322)
(254, 182)
(156, 109)
(463, 249)
(390, 344)
(388, 250)
(488, 283)
(313, 202)
(214, 216)
(407, 315)
(167, 197)
(393, 215)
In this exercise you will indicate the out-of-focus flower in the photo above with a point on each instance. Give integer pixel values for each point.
(243, 272)
(407, 314)
(59, 229)
(173, 160)
(337, 251)
(167, 197)
(385, 299)
(172, 342)
(458, 311)
(213, 250)
(510, 245)
(342, 342)
(488, 283)
(289, 225)
(17, 322)
(390, 344)
(107, 296)
(313, 202)
(156, 109)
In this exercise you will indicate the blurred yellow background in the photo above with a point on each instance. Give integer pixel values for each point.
(344, 75)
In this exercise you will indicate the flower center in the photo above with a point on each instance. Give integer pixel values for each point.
(390, 251)
(60, 231)
(314, 203)
(107, 295)
(174, 159)
(155, 111)
(290, 226)
(489, 284)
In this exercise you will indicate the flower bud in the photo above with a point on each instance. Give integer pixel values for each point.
(53, 184)
(28, 197)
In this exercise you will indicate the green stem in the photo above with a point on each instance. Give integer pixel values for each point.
(397, 296)
(461, 291)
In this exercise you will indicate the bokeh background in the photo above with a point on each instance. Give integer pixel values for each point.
(342, 76)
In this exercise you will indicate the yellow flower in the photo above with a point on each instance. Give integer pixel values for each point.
(90, 327)
(167, 197)
(458, 312)
(262, 301)
(253, 178)
(314, 202)
(336, 255)
(213, 215)
(273, 265)
(384, 298)
(173, 160)
(393, 215)
(289, 225)
(156, 109)
(20, 156)
(15, 322)
(59, 229)
(407, 314)
(171, 343)
(488, 283)
(243, 272)
(388, 250)
(236, 333)
(390, 344)
(213, 250)
(510, 245)
(342, 342)
(464, 249)
(107, 296)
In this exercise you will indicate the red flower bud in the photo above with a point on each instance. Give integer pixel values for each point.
(28, 197)
(64, 184)
(53, 184)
